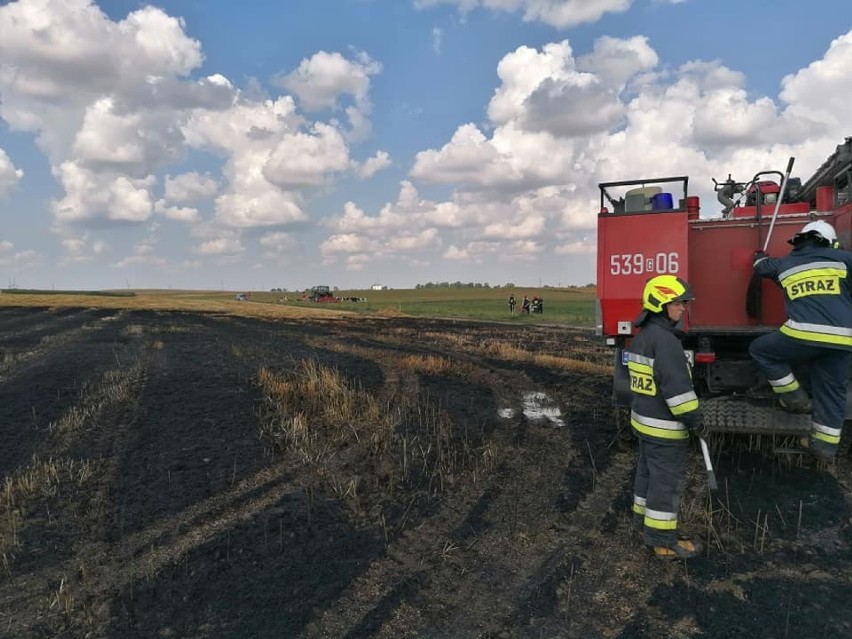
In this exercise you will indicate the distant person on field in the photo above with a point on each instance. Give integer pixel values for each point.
(512, 303)
(536, 304)
(525, 306)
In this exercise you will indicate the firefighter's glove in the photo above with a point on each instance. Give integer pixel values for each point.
(758, 255)
(694, 421)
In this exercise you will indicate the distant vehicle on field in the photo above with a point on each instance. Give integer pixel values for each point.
(322, 294)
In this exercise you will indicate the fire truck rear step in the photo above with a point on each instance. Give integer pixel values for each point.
(739, 415)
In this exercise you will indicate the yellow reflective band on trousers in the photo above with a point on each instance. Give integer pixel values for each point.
(818, 333)
(659, 520)
(784, 384)
(826, 434)
(658, 428)
(789, 388)
(639, 509)
(828, 439)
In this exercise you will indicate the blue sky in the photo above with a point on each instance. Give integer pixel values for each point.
(214, 144)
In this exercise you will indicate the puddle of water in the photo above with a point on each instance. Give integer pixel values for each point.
(536, 407)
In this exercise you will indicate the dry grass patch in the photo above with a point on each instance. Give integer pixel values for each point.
(582, 356)
(462, 342)
(577, 363)
(41, 479)
(390, 312)
(431, 364)
(314, 410)
(177, 301)
(7, 358)
(134, 329)
(347, 437)
(115, 387)
(175, 329)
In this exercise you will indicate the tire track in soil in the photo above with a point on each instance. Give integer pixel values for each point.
(188, 560)
(188, 557)
(576, 592)
(101, 569)
(19, 325)
(87, 430)
(399, 574)
(197, 397)
(36, 389)
(105, 563)
(43, 334)
(540, 569)
(414, 569)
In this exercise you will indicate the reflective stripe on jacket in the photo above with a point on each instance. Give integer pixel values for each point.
(817, 293)
(660, 383)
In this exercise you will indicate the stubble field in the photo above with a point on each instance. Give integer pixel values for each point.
(188, 474)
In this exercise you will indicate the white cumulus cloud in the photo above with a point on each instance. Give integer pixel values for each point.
(323, 79)
(186, 214)
(100, 97)
(221, 246)
(557, 13)
(10, 257)
(371, 166)
(320, 80)
(9, 175)
(190, 187)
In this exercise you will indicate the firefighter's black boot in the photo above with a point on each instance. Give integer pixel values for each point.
(796, 401)
(815, 451)
(683, 549)
(760, 391)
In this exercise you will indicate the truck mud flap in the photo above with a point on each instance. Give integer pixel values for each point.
(740, 415)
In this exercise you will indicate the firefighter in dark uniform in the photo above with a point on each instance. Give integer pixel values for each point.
(815, 277)
(664, 411)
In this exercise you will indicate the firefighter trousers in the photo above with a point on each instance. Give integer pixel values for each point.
(659, 482)
(828, 369)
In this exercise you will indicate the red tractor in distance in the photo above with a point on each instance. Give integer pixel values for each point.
(323, 295)
(645, 228)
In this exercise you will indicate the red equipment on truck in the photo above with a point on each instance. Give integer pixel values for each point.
(643, 231)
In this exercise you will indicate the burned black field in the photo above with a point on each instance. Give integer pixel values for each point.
(171, 474)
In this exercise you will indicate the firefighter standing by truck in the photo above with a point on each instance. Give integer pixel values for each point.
(815, 277)
(664, 411)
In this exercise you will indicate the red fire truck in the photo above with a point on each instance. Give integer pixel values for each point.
(652, 226)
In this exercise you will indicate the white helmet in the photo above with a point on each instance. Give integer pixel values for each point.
(819, 230)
